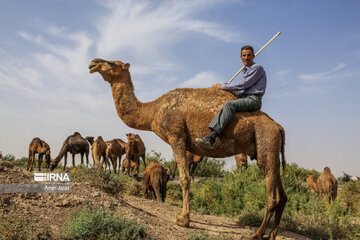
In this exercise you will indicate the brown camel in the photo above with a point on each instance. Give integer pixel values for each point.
(326, 185)
(241, 160)
(180, 115)
(193, 162)
(155, 179)
(98, 150)
(114, 150)
(42, 148)
(125, 165)
(74, 144)
(135, 149)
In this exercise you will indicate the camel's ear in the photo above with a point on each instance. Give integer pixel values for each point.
(126, 66)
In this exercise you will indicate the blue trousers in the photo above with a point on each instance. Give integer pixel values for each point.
(249, 103)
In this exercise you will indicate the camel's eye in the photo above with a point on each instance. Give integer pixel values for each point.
(111, 63)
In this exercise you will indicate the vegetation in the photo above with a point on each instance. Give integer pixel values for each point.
(13, 227)
(240, 193)
(101, 224)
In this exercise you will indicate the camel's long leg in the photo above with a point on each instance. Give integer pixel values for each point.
(194, 165)
(82, 159)
(178, 147)
(279, 208)
(65, 160)
(73, 159)
(87, 158)
(31, 161)
(40, 161)
(143, 158)
(173, 176)
(114, 164)
(276, 196)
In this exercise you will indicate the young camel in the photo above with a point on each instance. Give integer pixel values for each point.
(241, 160)
(180, 115)
(42, 148)
(326, 185)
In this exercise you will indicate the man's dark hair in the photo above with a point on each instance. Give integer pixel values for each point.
(247, 47)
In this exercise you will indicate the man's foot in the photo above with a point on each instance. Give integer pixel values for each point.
(205, 141)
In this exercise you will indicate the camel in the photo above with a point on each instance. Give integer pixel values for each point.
(183, 114)
(42, 148)
(135, 149)
(155, 179)
(326, 185)
(241, 160)
(98, 150)
(193, 161)
(74, 144)
(114, 150)
(125, 165)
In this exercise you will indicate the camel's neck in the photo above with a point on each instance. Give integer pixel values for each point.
(134, 113)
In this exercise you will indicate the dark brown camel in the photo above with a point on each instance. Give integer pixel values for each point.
(181, 115)
(73, 144)
(114, 150)
(155, 179)
(42, 148)
(135, 149)
(193, 162)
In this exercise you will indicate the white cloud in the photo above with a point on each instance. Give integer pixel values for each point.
(322, 76)
(147, 31)
(203, 79)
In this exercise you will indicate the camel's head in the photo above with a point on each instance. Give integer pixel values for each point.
(111, 68)
(310, 179)
(53, 164)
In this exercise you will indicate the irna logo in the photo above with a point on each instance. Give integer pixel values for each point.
(52, 177)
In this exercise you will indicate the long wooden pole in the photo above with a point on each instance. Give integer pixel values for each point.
(255, 56)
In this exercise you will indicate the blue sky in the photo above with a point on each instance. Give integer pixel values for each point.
(313, 68)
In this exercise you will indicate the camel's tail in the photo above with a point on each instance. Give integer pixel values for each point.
(283, 162)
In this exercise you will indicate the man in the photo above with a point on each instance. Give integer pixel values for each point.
(249, 89)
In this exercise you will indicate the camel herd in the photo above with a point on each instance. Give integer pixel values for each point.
(101, 151)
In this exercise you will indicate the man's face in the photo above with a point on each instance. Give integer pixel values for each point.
(247, 57)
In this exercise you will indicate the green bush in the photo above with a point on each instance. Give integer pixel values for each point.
(210, 167)
(243, 193)
(241, 189)
(101, 224)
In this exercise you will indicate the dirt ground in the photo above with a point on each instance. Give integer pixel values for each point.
(52, 209)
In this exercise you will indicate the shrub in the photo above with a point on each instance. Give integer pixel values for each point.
(101, 224)
(210, 167)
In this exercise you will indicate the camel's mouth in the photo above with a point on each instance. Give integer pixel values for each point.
(93, 67)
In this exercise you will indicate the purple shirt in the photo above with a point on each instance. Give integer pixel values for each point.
(252, 82)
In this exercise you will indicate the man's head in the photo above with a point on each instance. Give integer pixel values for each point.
(247, 55)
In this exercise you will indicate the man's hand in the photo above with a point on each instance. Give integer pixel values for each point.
(218, 85)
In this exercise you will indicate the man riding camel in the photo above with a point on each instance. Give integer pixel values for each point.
(250, 90)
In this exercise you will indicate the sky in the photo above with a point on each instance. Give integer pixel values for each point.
(313, 68)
